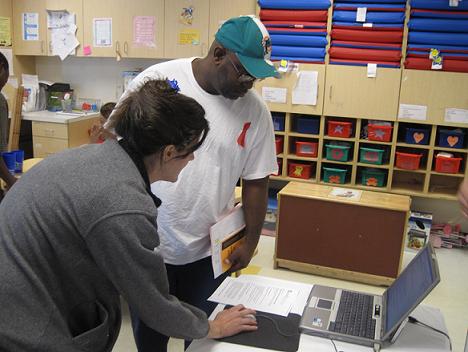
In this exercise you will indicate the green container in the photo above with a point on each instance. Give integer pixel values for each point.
(371, 156)
(373, 178)
(337, 152)
(332, 175)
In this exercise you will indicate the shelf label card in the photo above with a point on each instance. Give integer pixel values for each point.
(412, 112)
(361, 14)
(456, 115)
(274, 95)
(371, 70)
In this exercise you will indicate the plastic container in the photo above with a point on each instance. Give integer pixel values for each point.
(308, 149)
(279, 144)
(340, 129)
(10, 161)
(417, 135)
(371, 156)
(451, 138)
(379, 132)
(337, 152)
(408, 161)
(19, 158)
(307, 125)
(373, 178)
(332, 175)
(278, 122)
(447, 165)
(298, 170)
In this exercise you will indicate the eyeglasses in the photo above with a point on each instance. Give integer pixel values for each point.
(243, 78)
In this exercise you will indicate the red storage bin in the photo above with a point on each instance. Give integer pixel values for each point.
(299, 170)
(309, 149)
(447, 165)
(408, 161)
(279, 145)
(280, 164)
(339, 129)
(379, 133)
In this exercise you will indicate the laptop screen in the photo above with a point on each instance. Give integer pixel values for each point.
(410, 288)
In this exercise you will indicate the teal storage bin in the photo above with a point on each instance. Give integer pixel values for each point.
(337, 152)
(373, 178)
(332, 175)
(371, 156)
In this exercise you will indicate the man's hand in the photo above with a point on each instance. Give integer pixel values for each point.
(232, 321)
(241, 256)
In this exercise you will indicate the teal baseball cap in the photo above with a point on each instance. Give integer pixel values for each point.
(248, 38)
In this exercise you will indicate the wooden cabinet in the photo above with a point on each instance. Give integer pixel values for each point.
(437, 91)
(350, 93)
(38, 44)
(186, 36)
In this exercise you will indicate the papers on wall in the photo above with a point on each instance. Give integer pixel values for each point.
(189, 37)
(62, 28)
(456, 115)
(412, 112)
(5, 31)
(305, 90)
(274, 95)
(31, 92)
(9, 56)
(102, 32)
(263, 294)
(226, 235)
(144, 31)
(30, 25)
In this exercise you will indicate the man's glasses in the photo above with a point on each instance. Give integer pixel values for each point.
(243, 78)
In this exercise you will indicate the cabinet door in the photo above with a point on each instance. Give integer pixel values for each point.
(143, 29)
(437, 91)
(29, 32)
(186, 35)
(73, 7)
(101, 18)
(222, 10)
(350, 93)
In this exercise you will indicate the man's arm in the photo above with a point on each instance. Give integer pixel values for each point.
(5, 174)
(254, 203)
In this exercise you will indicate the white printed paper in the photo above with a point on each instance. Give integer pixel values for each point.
(345, 193)
(371, 70)
(367, 24)
(102, 32)
(30, 25)
(8, 53)
(274, 95)
(456, 115)
(62, 29)
(412, 112)
(305, 91)
(361, 14)
(259, 293)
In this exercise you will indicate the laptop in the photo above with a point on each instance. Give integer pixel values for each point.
(371, 320)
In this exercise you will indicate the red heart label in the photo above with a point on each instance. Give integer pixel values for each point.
(418, 137)
(452, 140)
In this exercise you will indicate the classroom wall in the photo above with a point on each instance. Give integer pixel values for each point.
(90, 77)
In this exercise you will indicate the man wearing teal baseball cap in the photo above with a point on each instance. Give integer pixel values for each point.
(240, 145)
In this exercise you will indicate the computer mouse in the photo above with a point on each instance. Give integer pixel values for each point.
(251, 316)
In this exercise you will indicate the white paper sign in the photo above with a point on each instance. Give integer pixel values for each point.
(30, 26)
(345, 193)
(361, 14)
(412, 112)
(456, 115)
(274, 95)
(305, 91)
(102, 32)
(367, 24)
(371, 70)
(8, 53)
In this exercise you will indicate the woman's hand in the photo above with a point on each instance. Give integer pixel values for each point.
(232, 321)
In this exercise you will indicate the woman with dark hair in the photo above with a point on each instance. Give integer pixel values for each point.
(79, 229)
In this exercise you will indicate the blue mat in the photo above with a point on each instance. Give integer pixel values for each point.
(373, 6)
(298, 40)
(373, 17)
(438, 5)
(377, 1)
(440, 47)
(304, 59)
(374, 25)
(298, 32)
(435, 14)
(295, 51)
(437, 25)
(433, 38)
(295, 4)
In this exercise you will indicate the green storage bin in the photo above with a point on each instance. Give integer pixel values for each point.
(371, 156)
(373, 178)
(332, 175)
(337, 152)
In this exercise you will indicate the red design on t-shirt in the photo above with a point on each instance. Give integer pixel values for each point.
(241, 138)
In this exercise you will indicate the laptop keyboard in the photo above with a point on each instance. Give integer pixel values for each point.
(354, 316)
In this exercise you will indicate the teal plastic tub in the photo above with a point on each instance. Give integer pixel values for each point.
(373, 178)
(337, 152)
(333, 175)
(371, 156)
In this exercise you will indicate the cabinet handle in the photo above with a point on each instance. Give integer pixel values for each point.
(126, 47)
(330, 93)
(118, 56)
(42, 46)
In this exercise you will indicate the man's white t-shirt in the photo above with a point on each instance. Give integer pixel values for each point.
(240, 144)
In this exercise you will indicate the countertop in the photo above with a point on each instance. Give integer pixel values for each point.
(57, 117)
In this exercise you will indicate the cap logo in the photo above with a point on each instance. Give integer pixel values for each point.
(266, 43)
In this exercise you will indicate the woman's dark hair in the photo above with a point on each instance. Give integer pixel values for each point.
(106, 109)
(156, 116)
